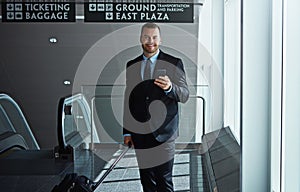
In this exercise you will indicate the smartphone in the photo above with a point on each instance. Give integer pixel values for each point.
(160, 72)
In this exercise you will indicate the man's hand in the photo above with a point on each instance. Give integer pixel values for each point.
(163, 82)
(128, 141)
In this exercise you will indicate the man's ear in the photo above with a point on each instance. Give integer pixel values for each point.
(160, 40)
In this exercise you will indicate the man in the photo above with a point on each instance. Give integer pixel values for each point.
(155, 83)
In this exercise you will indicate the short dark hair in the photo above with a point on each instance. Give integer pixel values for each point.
(150, 25)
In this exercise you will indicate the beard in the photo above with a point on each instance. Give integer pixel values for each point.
(150, 50)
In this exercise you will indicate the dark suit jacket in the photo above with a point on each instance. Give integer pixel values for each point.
(147, 108)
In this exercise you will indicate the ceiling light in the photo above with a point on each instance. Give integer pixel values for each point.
(52, 40)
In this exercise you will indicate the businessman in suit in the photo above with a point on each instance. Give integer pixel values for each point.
(155, 83)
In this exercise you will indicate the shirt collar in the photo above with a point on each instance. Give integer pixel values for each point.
(153, 58)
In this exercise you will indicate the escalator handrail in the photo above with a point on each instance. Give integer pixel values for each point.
(4, 96)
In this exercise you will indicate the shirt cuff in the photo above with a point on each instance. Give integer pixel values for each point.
(169, 90)
(127, 135)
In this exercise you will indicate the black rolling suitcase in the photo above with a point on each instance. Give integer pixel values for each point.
(74, 183)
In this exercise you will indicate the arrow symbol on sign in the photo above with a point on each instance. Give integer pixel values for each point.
(10, 16)
(109, 16)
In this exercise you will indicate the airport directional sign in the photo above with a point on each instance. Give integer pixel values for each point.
(95, 11)
(38, 11)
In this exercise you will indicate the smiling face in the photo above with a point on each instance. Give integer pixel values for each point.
(150, 40)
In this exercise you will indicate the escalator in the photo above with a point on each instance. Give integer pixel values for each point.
(26, 167)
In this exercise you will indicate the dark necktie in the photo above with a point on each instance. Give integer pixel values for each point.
(147, 70)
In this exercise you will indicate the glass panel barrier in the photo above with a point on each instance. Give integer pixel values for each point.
(107, 108)
(77, 122)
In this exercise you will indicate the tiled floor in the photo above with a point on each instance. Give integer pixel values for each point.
(187, 174)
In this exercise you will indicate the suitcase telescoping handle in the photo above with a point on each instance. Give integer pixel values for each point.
(112, 166)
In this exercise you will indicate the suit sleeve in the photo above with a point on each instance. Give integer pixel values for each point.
(180, 91)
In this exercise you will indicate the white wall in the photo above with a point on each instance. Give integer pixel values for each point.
(211, 37)
(271, 88)
(256, 63)
(232, 66)
(291, 95)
